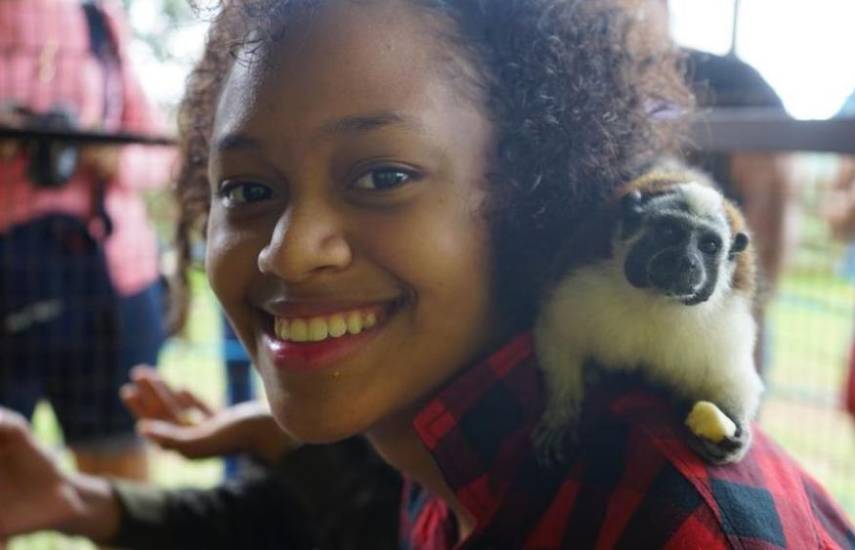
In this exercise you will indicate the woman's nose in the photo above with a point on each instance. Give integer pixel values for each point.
(305, 241)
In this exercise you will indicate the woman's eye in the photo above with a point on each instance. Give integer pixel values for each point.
(382, 179)
(243, 192)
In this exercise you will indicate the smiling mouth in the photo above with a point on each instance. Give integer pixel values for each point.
(301, 338)
(321, 328)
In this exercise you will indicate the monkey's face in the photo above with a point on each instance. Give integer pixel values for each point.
(678, 244)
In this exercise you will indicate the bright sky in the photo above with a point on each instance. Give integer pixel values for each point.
(804, 48)
(164, 82)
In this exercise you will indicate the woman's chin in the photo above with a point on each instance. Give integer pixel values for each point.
(318, 431)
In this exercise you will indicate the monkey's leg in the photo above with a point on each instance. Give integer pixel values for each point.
(558, 425)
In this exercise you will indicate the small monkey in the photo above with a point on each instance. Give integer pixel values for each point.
(660, 282)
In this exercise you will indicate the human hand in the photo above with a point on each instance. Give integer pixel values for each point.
(178, 420)
(34, 493)
(9, 147)
(8, 150)
(101, 160)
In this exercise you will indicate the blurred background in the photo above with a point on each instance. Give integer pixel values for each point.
(801, 48)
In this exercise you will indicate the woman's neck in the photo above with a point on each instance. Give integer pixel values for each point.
(399, 445)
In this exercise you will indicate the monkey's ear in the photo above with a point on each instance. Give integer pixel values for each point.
(740, 243)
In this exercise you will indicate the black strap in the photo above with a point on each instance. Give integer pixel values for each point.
(105, 52)
(100, 44)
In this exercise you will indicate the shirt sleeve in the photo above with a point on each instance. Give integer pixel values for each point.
(338, 496)
(257, 511)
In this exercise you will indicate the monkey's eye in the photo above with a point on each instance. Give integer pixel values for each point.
(709, 245)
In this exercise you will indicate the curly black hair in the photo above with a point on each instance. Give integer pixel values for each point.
(571, 86)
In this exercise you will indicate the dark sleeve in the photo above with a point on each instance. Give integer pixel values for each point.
(257, 511)
(339, 496)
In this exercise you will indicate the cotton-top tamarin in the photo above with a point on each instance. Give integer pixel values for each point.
(659, 282)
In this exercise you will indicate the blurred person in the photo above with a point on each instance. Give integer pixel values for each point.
(839, 207)
(80, 294)
(839, 212)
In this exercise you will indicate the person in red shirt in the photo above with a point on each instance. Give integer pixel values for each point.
(70, 57)
(385, 186)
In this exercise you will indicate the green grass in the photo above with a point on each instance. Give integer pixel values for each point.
(812, 331)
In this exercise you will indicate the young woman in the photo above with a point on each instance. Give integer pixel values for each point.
(384, 185)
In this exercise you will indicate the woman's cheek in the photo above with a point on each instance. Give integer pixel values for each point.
(231, 264)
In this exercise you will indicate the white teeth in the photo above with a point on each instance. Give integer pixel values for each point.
(337, 326)
(280, 327)
(318, 329)
(354, 322)
(369, 320)
(299, 331)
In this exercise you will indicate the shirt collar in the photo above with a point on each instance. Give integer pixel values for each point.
(477, 428)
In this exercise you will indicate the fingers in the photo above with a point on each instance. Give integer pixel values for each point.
(8, 149)
(14, 428)
(103, 160)
(148, 396)
(201, 441)
(190, 400)
(156, 397)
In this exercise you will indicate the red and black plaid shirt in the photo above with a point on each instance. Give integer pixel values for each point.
(632, 483)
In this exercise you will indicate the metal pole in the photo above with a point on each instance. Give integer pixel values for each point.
(734, 28)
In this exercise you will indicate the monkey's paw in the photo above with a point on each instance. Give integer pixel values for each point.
(715, 437)
(549, 442)
(708, 422)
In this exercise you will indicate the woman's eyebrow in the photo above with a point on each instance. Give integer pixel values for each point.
(344, 125)
(370, 122)
(231, 142)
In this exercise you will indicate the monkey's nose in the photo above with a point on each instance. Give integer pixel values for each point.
(676, 273)
(688, 262)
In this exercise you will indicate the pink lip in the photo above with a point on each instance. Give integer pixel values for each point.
(306, 357)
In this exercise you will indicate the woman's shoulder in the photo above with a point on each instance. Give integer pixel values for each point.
(636, 460)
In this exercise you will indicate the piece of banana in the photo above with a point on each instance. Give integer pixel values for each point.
(707, 421)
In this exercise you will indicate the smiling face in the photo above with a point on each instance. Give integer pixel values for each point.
(345, 239)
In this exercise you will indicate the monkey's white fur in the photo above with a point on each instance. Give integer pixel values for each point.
(701, 352)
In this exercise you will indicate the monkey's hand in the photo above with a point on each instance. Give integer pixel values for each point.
(557, 428)
(549, 442)
(707, 421)
(717, 438)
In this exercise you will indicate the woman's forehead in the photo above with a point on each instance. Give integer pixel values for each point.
(347, 59)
